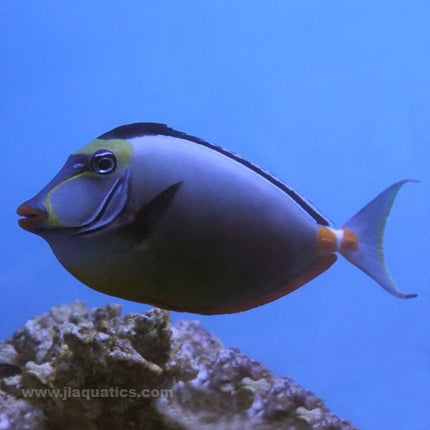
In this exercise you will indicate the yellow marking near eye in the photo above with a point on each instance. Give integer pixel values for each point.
(121, 148)
(53, 218)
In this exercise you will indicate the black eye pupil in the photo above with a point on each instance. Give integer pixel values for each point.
(103, 162)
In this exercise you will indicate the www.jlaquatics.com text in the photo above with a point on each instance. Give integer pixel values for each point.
(94, 393)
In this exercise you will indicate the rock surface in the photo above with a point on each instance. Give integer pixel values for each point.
(73, 368)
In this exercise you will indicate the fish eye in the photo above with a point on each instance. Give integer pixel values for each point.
(103, 162)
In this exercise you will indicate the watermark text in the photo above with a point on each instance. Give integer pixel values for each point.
(95, 393)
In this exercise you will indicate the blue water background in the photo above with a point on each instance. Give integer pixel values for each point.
(332, 97)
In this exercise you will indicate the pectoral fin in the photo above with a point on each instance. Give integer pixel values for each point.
(149, 216)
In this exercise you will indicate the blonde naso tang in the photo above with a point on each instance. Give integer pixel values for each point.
(157, 216)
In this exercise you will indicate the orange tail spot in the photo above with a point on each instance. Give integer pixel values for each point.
(349, 241)
(327, 240)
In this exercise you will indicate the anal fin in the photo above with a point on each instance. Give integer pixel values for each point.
(321, 264)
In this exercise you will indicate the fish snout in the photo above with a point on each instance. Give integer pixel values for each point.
(33, 217)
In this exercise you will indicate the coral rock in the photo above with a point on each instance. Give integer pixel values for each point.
(75, 368)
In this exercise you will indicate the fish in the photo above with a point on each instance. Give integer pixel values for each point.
(157, 216)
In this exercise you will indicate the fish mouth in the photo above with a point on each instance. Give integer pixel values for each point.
(32, 217)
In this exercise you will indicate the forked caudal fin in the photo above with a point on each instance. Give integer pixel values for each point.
(367, 226)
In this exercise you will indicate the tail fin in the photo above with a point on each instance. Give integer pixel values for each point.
(368, 225)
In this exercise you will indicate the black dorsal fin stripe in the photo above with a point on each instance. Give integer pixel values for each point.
(140, 129)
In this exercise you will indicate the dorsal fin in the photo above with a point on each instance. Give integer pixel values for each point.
(139, 129)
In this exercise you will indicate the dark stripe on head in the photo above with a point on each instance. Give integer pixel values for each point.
(139, 129)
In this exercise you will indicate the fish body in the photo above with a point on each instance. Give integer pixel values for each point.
(154, 215)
